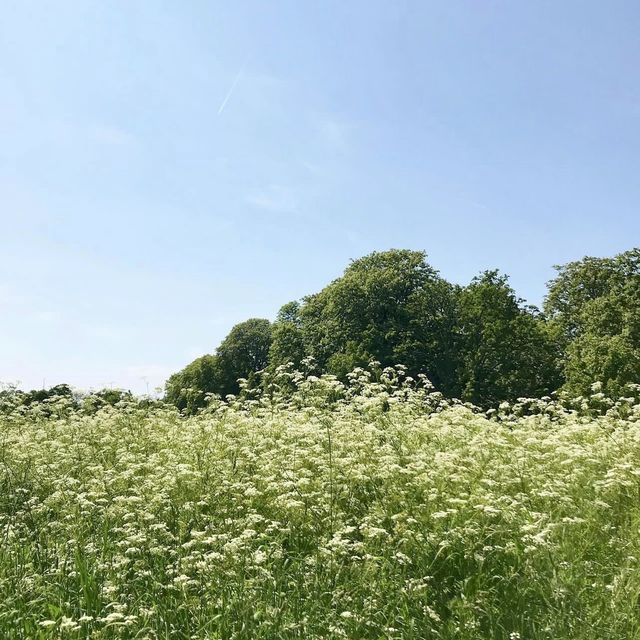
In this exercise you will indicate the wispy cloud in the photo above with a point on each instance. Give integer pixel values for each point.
(231, 90)
(333, 133)
(276, 198)
(103, 332)
(8, 296)
(110, 135)
(47, 317)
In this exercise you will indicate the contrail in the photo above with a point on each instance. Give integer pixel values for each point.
(233, 86)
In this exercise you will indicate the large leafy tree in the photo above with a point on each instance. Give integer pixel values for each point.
(594, 309)
(504, 348)
(243, 352)
(287, 340)
(391, 306)
(187, 389)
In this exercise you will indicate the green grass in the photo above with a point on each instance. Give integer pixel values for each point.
(384, 513)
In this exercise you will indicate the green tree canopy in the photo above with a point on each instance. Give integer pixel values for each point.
(479, 342)
(504, 348)
(594, 310)
(391, 306)
(287, 343)
(187, 388)
(40, 395)
(243, 352)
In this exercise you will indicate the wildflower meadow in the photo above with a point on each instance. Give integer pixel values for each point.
(316, 509)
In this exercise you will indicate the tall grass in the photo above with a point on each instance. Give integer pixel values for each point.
(376, 510)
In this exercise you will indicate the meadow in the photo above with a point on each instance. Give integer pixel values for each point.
(315, 509)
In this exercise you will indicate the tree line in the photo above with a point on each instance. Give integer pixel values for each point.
(480, 342)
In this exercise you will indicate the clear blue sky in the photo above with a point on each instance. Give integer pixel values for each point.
(168, 169)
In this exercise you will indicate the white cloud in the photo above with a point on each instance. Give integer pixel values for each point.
(276, 198)
(333, 133)
(112, 136)
(8, 296)
(103, 332)
(47, 317)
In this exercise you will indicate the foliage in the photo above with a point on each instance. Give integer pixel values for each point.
(41, 395)
(479, 342)
(391, 306)
(187, 389)
(505, 351)
(594, 308)
(287, 344)
(62, 400)
(243, 352)
(371, 508)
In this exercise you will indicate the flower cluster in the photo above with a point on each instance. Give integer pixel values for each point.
(368, 510)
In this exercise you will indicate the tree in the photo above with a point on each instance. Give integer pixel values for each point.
(391, 306)
(43, 395)
(243, 352)
(504, 348)
(594, 310)
(287, 343)
(187, 388)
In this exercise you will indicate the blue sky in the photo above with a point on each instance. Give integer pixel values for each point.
(169, 169)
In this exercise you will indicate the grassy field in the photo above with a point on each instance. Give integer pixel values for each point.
(376, 511)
